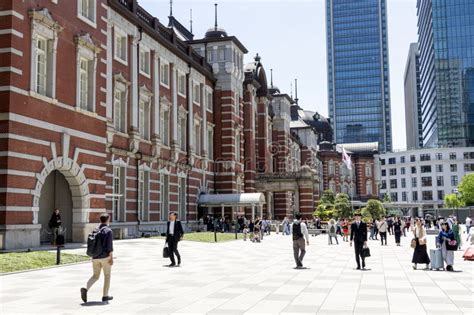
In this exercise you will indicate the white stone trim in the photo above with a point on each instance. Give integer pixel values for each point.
(21, 155)
(11, 50)
(11, 31)
(52, 127)
(16, 173)
(13, 13)
(23, 138)
(11, 69)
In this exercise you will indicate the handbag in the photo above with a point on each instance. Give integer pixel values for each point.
(451, 245)
(365, 252)
(413, 243)
(166, 251)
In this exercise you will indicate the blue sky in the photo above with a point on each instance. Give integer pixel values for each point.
(290, 38)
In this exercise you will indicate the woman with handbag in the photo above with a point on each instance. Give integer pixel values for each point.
(420, 254)
(448, 245)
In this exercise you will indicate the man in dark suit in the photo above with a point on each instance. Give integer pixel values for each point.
(359, 236)
(174, 233)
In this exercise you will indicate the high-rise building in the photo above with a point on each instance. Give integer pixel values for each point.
(446, 43)
(358, 71)
(411, 82)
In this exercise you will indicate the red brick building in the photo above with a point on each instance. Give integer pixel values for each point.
(105, 109)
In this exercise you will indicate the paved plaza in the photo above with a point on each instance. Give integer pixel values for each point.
(240, 277)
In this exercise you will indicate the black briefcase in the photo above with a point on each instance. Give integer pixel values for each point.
(365, 252)
(166, 251)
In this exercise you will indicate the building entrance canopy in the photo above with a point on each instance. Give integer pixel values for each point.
(232, 200)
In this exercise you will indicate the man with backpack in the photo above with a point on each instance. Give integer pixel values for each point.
(100, 248)
(299, 232)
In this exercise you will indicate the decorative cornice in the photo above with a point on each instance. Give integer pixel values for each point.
(85, 40)
(44, 17)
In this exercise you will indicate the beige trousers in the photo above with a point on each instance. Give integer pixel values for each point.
(97, 266)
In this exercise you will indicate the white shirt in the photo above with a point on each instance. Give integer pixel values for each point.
(304, 229)
(171, 227)
(468, 221)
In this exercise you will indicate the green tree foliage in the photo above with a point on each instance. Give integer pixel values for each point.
(342, 206)
(466, 188)
(325, 208)
(375, 209)
(453, 201)
(366, 216)
(327, 197)
(387, 198)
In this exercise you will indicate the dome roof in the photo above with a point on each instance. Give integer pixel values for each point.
(273, 90)
(215, 32)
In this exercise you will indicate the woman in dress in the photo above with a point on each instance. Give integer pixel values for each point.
(446, 236)
(345, 230)
(397, 228)
(420, 254)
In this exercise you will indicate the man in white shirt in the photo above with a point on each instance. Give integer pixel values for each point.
(299, 231)
(468, 225)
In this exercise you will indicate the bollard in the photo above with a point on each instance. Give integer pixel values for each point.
(215, 235)
(58, 255)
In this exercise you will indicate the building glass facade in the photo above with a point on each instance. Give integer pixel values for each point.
(358, 71)
(412, 87)
(446, 42)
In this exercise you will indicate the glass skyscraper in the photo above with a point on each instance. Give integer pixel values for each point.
(358, 72)
(446, 43)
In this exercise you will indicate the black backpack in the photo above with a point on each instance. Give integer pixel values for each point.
(297, 231)
(94, 243)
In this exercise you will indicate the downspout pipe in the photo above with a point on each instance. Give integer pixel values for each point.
(138, 155)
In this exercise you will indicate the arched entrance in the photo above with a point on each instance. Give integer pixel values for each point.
(55, 194)
(62, 184)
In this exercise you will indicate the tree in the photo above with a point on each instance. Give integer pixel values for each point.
(453, 201)
(366, 216)
(466, 188)
(342, 206)
(325, 208)
(387, 198)
(327, 197)
(375, 208)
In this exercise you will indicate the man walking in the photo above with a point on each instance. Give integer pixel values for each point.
(299, 231)
(359, 236)
(104, 261)
(174, 233)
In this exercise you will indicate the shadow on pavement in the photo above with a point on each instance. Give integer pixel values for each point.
(97, 303)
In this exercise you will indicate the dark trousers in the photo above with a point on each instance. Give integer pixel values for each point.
(358, 251)
(383, 236)
(173, 248)
(299, 251)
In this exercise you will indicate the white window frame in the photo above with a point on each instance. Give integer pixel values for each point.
(209, 100)
(368, 187)
(86, 52)
(164, 195)
(165, 75)
(210, 141)
(119, 34)
(121, 86)
(165, 117)
(197, 94)
(182, 128)
(198, 136)
(92, 16)
(144, 113)
(118, 189)
(181, 83)
(44, 28)
(145, 67)
(143, 193)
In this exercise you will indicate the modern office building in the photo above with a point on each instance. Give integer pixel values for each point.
(424, 176)
(411, 82)
(358, 71)
(446, 44)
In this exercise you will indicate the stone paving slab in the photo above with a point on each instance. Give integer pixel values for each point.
(247, 278)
